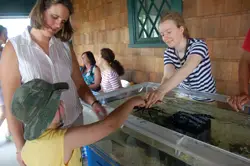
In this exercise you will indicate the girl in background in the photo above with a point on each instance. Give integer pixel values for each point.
(111, 70)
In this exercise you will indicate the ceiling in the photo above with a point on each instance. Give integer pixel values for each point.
(15, 7)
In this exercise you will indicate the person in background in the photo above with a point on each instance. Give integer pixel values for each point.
(186, 61)
(237, 102)
(42, 113)
(43, 51)
(90, 72)
(3, 37)
(3, 40)
(111, 70)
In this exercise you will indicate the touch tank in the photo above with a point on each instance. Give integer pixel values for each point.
(177, 131)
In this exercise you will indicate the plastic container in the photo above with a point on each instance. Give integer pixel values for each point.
(84, 153)
(185, 148)
(98, 158)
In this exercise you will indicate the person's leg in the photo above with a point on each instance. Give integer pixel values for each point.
(2, 118)
(2, 110)
(2, 115)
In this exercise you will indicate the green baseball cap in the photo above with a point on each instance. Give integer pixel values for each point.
(35, 104)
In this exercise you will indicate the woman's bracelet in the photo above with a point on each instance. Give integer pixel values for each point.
(96, 101)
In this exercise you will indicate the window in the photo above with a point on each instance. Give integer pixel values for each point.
(144, 17)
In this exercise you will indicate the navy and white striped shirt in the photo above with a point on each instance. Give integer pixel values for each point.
(201, 78)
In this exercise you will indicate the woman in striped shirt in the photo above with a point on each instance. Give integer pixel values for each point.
(111, 70)
(186, 61)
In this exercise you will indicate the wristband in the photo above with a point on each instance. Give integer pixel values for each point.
(96, 101)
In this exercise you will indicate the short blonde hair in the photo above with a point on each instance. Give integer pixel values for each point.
(178, 19)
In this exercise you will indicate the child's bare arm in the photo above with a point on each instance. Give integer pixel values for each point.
(84, 135)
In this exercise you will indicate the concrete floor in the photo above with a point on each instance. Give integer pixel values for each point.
(7, 149)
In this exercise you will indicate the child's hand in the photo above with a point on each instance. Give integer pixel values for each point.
(138, 101)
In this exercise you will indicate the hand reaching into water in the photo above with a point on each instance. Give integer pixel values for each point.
(153, 98)
(237, 102)
(137, 101)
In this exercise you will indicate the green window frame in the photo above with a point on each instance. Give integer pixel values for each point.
(143, 20)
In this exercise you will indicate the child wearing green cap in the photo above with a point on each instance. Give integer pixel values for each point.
(37, 104)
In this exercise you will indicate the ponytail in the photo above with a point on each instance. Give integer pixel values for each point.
(109, 56)
(116, 65)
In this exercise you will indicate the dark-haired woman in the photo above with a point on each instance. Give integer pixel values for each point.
(42, 51)
(90, 72)
(111, 70)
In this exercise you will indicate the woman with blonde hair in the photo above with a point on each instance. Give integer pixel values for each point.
(186, 61)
